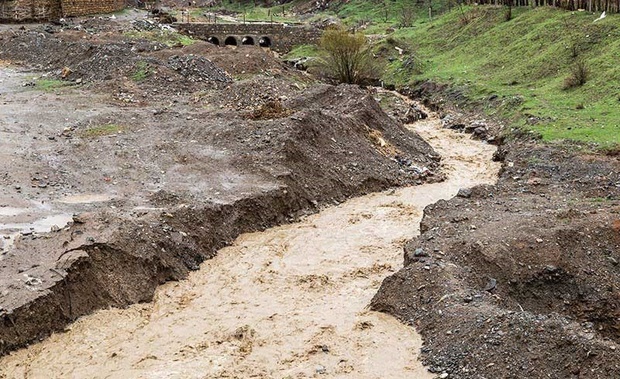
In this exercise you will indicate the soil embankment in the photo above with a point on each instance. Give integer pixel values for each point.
(289, 301)
(519, 279)
(160, 176)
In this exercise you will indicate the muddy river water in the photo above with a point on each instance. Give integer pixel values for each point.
(289, 302)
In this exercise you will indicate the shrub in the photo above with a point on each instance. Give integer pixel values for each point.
(406, 17)
(345, 56)
(578, 76)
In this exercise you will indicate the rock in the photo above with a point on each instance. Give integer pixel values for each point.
(419, 252)
(66, 71)
(480, 133)
(491, 284)
(413, 114)
(320, 369)
(464, 193)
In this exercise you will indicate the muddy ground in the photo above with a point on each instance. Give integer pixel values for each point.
(521, 278)
(152, 158)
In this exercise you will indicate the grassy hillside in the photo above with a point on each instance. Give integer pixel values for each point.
(522, 63)
(525, 61)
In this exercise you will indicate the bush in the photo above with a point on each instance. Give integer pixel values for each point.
(345, 57)
(406, 17)
(579, 75)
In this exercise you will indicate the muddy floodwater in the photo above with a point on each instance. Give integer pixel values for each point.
(287, 302)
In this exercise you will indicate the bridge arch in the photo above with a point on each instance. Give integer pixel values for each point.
(231, 41)
(247, 40)
(214, 40)
(264, 41)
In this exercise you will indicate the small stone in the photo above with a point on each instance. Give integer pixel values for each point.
(464, 193)
(419, 252)
(444, 375)
(491, 284)
(320, 369)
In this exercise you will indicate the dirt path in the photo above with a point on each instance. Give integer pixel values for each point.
(287, 302)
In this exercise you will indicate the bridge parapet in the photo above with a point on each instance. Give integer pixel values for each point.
(279, 37)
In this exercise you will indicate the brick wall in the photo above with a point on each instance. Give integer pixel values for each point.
(45, 10)
(29, 10)
(86, 7)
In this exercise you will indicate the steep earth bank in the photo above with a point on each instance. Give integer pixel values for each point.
(522, 278)
(156, 167)
(290, 301)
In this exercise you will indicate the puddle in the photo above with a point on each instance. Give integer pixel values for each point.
(10, 231)
(11, 211)
(85, 198)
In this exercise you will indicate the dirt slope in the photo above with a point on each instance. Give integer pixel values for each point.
(167, 181)
(287, 302)
(519, 279)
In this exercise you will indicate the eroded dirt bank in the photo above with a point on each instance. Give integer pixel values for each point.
(287, 302)
(520, 279)
(164, 169)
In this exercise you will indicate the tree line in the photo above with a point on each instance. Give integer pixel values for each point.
(609, 6)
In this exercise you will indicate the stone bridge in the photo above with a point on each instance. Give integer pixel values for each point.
(279, 37)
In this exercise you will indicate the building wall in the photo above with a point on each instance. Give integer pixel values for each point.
(29, 10)
(85, 7)
(45, 10)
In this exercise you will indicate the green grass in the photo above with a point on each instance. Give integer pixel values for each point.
(524, 62)
(303, 51)
(103, 130)
(50, 84)
(142, 71)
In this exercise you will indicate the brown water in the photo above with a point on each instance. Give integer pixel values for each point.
(289, 302)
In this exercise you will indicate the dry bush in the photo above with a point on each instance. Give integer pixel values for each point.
(578, 76)
(270, 111)
(406, 17)
(345, 56)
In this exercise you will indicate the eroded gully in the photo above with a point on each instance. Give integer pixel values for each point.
(287, 302)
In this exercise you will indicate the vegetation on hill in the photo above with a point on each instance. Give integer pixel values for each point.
(552, 71)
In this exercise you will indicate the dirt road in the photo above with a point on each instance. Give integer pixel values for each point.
(287, 302)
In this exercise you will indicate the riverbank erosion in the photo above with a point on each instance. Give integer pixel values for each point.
(520, 278)
(289, 301)
(178, 190)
